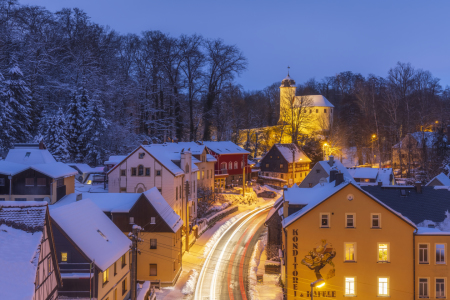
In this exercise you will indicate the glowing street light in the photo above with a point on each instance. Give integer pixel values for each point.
(316, 284)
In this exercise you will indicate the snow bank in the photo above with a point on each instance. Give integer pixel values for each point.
(142, 291)
(249, 198)
(189, 287)
(213, 240)
(218, 207)
(254, 264)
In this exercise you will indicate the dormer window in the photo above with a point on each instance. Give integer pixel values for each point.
(141, 155)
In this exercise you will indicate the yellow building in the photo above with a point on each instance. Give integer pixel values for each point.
(298, 115)
(360, 246)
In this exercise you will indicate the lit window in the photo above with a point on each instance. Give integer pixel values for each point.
(350, 286)
(376, 221)
(203, 175)
(198, 175)
(383, 253)
(367, 180)
(440, 254)
(153, 244)
(267, 165)
(281, 166)
(153, 220)
(423, 253)
(383, 286)
(350, 220)
(440, 288)
(325, 220)
(350, 252)
(106, 276)
(64, 256)
(423, 287)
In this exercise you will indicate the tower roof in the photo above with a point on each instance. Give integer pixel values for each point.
(287, 81)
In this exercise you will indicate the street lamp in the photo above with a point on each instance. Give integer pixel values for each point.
(373, 140)
(323, 151)
(316, 284)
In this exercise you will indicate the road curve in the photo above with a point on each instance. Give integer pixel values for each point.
(225, 270)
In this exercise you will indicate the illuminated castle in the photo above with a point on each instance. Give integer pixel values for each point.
(310, 114)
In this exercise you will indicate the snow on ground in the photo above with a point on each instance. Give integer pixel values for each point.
(89, 188)
(269, 289)
(349, 157)
(189, 287)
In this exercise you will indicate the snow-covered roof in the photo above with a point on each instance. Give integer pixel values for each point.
(10, 168)
(210, 158)
(272, 178)
(53, 170)
(337, 165)
(225, 147)
(311, 197)
(29, 156)
(107, 202)
(193, 147)
(287, 149)
(442, 178)
(115, 159)
(85, 168)
(169, 157)
(19, 247)
(312, 100)
(92, 231)
(430, 231)
(164, 209)
(369, 173)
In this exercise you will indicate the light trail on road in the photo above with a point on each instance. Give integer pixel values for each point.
(231, 246)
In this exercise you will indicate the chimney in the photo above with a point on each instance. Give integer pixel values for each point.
(79, 196)
(339, 179)
(285, 209)
(333, 175)
(331, 160)
(418, 185)
(380, 183)
(42, 146)
(145, 142)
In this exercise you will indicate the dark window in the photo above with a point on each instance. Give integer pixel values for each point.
(310, 184)
(160, 190)
(317, 111)
(147, 171)
(115, 268)
(403, 193)
(60, 182)
(318, 171)
(267, 165)
(281, 166)
(122, 173)
(2, 181)
(153, 270)
(29, 181)
(38, 199)
(152, 220)
(2, 199)
(325, 110)
(282, 176)
(124, 286)
(140, 170)
(141, 155)
(124, 261)
(158, 172)
(20, 199)
(133, 171)
(310, 111)
(41, 182)
(153, 244)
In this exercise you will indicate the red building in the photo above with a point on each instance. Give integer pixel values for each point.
(231, 161)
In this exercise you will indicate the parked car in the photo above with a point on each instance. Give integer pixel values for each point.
(267, 194)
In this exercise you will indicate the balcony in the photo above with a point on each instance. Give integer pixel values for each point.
(221, 172)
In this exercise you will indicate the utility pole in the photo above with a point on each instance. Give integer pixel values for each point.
(243, 174)
(187, 190)
(134, 251)
(293, 167)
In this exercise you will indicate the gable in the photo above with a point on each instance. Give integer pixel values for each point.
(142, 211)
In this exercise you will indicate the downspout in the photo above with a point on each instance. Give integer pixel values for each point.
(10, 186)
(414, 265)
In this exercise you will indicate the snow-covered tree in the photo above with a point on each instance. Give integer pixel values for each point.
(16, 108)
(56, 138)
(75, 120)
(95, 126)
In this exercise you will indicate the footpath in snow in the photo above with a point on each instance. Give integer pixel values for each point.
(192, 261)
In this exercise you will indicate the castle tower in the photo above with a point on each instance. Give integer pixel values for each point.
(287, 95)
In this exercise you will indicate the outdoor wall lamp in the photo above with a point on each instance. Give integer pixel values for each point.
(316, 284)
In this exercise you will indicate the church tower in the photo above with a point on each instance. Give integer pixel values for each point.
(287, 96)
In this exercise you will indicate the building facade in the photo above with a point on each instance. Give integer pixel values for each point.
(232, 162)
(284, 164)
(337, 231)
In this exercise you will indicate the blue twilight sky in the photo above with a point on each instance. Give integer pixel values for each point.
(316, 38)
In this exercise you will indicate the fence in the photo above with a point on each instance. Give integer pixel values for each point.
(205, 224)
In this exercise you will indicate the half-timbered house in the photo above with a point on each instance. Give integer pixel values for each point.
(28, 264)
(93, 254)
